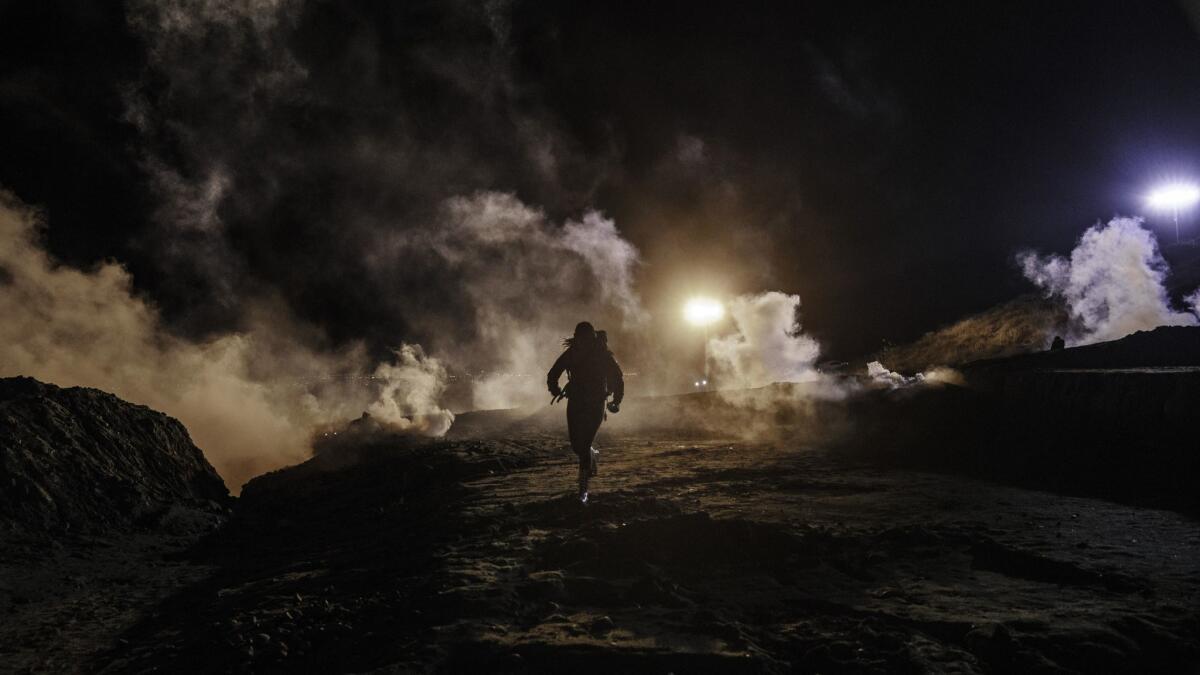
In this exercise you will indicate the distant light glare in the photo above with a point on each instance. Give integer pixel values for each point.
(1173, 197)
(703, 311)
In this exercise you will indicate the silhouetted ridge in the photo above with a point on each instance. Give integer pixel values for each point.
(1163, 347)
(1025, 324)
(81, 459)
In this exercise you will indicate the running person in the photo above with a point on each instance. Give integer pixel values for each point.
(592, 375)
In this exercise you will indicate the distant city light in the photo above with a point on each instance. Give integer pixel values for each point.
(703, 311)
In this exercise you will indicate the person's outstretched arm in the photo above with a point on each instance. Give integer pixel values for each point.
(616, 380)
(555, 373)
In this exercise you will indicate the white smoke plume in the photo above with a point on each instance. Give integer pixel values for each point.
(880, 375)
(252, 400)
(1112, 284)
(517, 270)
(1193, 301)
(767, 344)
(411, 391)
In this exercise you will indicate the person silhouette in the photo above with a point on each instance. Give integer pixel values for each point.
(592, 375)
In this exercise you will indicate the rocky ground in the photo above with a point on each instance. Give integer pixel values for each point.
(692, 557)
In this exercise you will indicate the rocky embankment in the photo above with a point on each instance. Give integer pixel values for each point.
(99, 500)
(82, 460)
(1025, 324)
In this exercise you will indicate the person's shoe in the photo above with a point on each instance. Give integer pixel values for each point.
(595, 461)
(583, 485)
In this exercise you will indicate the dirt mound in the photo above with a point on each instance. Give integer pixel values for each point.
(1019, 326)
(84, 460)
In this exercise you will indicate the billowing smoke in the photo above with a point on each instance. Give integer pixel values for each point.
(320, 252)
(1112, 284)
(320, 180)
(252, 399)
(517, 271)
(327, 194)
(767, 344)
(880, 375)
(768, 347)
(411, 391)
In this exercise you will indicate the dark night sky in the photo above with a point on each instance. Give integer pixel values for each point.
(883, 161)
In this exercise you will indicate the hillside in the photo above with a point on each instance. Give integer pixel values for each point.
(1026, 324)
(82, 460)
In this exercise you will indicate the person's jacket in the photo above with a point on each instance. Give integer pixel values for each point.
(592, 371)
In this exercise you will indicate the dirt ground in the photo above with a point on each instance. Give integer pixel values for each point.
(63, 603)
(691, 557)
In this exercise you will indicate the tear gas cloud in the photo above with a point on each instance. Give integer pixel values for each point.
(517, 269)
(254, 399)
(387, 229)
(86, 328)
(766, 345)
(1112, 283)
(878, 374)
(375, 208)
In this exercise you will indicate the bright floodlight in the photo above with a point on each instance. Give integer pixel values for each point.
(703, 311)
(1173, 197)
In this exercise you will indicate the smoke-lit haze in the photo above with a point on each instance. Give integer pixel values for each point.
(251, 399)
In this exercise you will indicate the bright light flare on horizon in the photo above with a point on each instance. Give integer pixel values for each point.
(703, 311)
(1173, 196)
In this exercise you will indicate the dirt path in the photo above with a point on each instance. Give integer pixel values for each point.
(734, 556)
(63, 605)
(714, 557)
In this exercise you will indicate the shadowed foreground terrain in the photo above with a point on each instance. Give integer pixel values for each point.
(716, 557)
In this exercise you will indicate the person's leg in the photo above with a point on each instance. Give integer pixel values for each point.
(590, 424)
(581, 440)
(579, 429)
